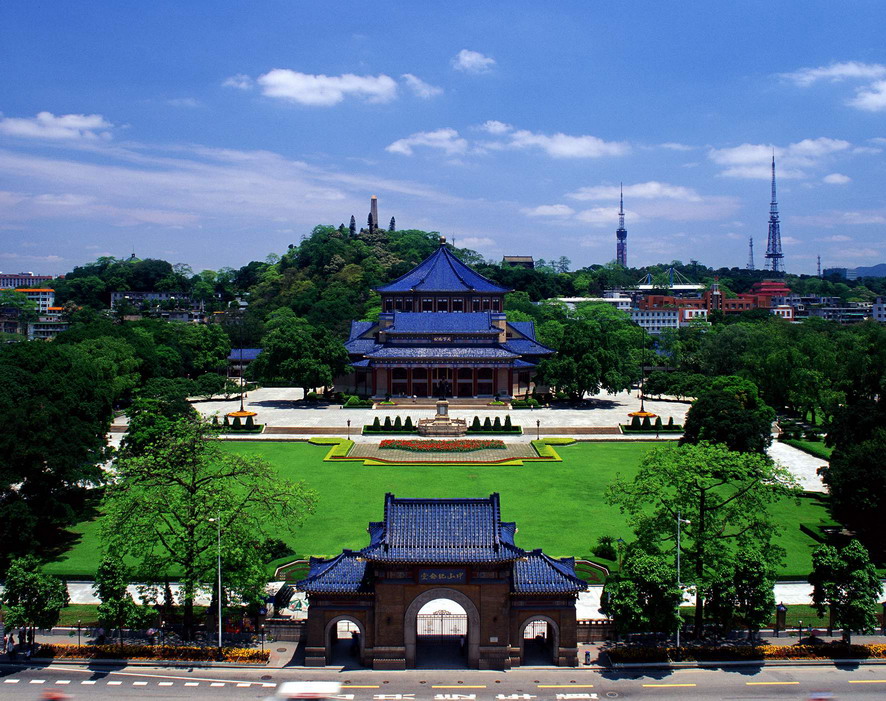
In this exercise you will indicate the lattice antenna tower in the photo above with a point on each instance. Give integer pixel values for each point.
(774, 256)
(751, 253)
(621, 234)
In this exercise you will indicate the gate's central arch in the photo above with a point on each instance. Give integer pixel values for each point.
(456, 549)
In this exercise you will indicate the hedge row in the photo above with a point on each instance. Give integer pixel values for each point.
(827, 651)
(153, 652)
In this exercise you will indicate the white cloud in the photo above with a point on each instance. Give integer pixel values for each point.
(878, 140)
(673, 146)
(420, 88)
(565, 146)
(871, 98)
(754, 160)
(326, 90)
(647, 190)
(472, 62)
(183, 102)
(835, 218)
(46, 125)
(549, 210)
(836, 179)
(838, 238)
(493, 126)
(836, 72)
(446, 139)
(241, 81)
(476, 242)
(602, 216)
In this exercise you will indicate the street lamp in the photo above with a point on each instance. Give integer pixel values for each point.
(680, 522)
(78, 635)
(349, 428)
(537, 430)
(217, 522)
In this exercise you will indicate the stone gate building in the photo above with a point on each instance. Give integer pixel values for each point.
(429, 549)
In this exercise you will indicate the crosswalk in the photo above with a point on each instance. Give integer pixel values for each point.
(140, 683)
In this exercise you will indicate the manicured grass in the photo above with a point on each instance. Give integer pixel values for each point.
(559, 507)
(816, 448)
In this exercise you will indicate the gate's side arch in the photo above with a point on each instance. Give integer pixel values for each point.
(331, 628)
(553, 631)
(411, 621)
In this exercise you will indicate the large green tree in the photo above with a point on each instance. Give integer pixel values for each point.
(167, 500)
(31, 598)
(117, 608)
(725, 497)
(742, 592)
(643, 596)
(846, 580)
(730, 412)
(298, 353)
(55, 410)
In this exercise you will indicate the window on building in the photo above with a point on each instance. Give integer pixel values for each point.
(427, 305)
(442, 305)
(398, 304)
(458, 305)
(496, 305)
(407, 304)
(485, 304)
(475, 305)
(389, 305)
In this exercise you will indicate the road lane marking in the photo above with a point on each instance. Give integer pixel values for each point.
(113, 683)
(355, 686)
(87, 682)
(37, 681)
(867, 681)
(453, 686)
(668, 685)
(244, 684)
(164, 683)
(139, 683)
(770, 683)
(217, 684)
(10, 681)
(63, 681)
(192, 683)
(565, 686)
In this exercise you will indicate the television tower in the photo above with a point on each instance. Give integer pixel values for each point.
(751, 253)
(773, 244)
(819, 265)
(621, 248)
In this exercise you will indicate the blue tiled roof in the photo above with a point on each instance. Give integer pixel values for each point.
(344, 574)
(442, 272)
(360, 364)
(523, 346)
(358, 328)
(248, 354)
(442, 322)
(539, 574)
(442, 530)
(527, 328)
(520, 363)
(361, 346)
(481, 352)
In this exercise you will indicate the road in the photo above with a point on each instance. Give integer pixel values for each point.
(795, 682)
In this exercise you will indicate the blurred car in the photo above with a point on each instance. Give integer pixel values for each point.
(306, 690)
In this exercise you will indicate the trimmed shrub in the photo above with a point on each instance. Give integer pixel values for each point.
(407, 425)
(215, 420)
(376, 423)
(476, 425)
(635, 423)
(398, 424)
(496, 425)
(388, 425)
(670, 422)
(487, 424)
(237, 424)
(658, 423)
(647, 424)
(605, 548)
(227, 422)
(508, 425)
(249, 422)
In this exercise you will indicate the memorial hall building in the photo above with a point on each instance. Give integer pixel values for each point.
(442, 332)
(384, 601)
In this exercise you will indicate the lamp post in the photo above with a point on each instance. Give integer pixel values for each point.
(78, 635)
(619, 544)
(680, 522)
(537, 430)
(349, 428)
(217, 522)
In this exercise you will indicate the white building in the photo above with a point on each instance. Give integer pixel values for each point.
(878, 310)
(619, 302)
(42, 297)
(654, 321)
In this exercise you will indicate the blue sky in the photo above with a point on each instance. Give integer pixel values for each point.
(217, 133)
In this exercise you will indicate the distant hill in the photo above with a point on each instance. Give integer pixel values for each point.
(878, 270)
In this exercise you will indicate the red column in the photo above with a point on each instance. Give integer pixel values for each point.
(474, 372)
(510, 381)
(409, 381)
(494, 380)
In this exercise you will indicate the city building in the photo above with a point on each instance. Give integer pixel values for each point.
(457, 550)
(442, 332)
(42, 297)
(878, 310)
(22, 279)
(139, 299)
(654, 321)
(852, 313)
(619, 302)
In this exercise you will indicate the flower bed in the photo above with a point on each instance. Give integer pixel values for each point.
(189, 653)
(828, 651)
(441, 446)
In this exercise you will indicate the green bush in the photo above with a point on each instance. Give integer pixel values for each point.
(407, 425)
(388, 425)
(487, 424)
(658, 423)
(227, 422)
(215, 420)
(605, 548)
(532, 402)
(476, 425)
(249, 422)
(635, 423)
(671, 422)
(496, 425)
(376, 423)
(508, 426)
(519, 404)
(398, 424)
(237, 424)
(647, 424)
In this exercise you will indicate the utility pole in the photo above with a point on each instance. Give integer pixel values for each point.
(680, 522)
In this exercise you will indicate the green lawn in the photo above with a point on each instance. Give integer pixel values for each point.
(557, 506)
(816, 448)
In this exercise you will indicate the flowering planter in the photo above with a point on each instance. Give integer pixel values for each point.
(441, 446)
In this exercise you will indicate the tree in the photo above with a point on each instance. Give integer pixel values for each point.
(165, 504)
(117, 608)
(298, 353)
(725, 496)
(599, 350)
(31, 598)
(56, 405)
(393, 225)
(847, 581)
(743, 592)
(209, 384)
(643, 596)
(731, 412)
(352, 228)
(371, 222)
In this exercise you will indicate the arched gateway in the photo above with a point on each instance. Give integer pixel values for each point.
(456, 549)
